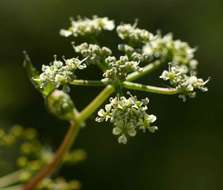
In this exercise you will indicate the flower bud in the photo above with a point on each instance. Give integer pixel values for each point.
(60, 104)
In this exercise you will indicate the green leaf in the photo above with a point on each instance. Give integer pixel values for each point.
(33, 75)
(31, 70)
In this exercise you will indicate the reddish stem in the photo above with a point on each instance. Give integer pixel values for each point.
(53, 165)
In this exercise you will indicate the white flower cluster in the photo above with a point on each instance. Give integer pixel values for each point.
(128, 115)
(118, 69)
(59, 72)
(133, 34)
(86, 26)
(174, 51)
(186, 84)
(182, 65)
(94, 53)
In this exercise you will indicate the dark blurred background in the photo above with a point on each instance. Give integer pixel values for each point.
(186, 152)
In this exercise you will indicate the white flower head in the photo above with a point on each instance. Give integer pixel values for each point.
(128, 116)
(59, 73)
(186, 83)
(87, 26)
(176, 51)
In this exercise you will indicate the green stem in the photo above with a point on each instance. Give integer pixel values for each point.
(95, 104)
(148, 88)
(87, 83)
(146, 70)
(15, 187)
(52, 166)
(9, 179)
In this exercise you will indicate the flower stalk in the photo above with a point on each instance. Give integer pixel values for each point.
(148, 88)
(62, 150)
(88, 83)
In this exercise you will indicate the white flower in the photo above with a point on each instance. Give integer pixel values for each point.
(153, 129)
(122, 139)
(152, 118)
(116, 131)
(106, 23)
(65, 33)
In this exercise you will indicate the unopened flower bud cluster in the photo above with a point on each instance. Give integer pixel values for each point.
(134, 54)
(128, 116)
(93, 52)
(133, 35)
(119, 69)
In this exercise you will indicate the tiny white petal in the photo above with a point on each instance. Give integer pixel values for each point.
(122, 139)
(116, 131)
(65, 33)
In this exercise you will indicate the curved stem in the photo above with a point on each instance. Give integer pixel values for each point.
(69, 138)
(148, 88)
(51, 167)
(87, 83)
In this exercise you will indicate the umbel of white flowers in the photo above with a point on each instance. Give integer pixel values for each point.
(128, 116)
(85, 26)
(139, 48)
(58, 73)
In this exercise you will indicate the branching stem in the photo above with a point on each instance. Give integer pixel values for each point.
(145, 70)
(95, 104)
(88, 83)
(85, 114)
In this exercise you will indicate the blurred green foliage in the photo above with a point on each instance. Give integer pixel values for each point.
(186, 151)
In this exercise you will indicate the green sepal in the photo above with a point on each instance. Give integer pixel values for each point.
(31, 70)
